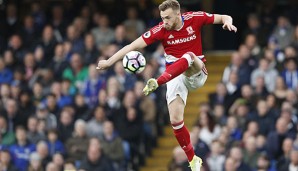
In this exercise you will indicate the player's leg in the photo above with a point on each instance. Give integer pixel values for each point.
(176, 111)
(196, 66)
(172, 71)
(176, 99)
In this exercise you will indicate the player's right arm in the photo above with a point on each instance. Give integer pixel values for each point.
(139, 43)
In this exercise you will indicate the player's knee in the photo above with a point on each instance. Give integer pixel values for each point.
(175, 118)
(189, 56)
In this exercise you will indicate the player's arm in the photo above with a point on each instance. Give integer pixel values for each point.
(139, 43)
(226, 20)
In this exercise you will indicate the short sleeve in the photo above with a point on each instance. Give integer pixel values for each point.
(154, 34)
(204, 17)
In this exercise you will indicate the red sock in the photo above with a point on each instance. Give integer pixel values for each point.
(183, 138)
(173, 71)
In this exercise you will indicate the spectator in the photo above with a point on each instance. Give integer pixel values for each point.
(11, 22)
(255, 27)
(43, 152)
(92, 85)
(120, 36)
(76, 73)
(59, 22)
(69, 166)
(209, 129)
(25, 102)
(250, 153)
(7, 137)
(281, 90)
(5, 73)
(103, 33)
(43, 113)
(35, 162)
(28, 32)
(52, 167)
(275, 139)
(48, 43)
(250, 62)
(290, 73)
(264, 164)
(76, 146)
(287, 146)
(13, 116)
(21, 150)
(253, 45)
(5, 161)
(96, 160)
(58, 63)
(283, 32)
(81, 108)
(295, 41)
(236, 62)
(148, 109)
(221, 96)
(179, 160)
(112, 146)
(268, 74)
(51, 104)
(230, 164)
(65, 125)
(260, 89)
(232, 84)
(200, 147)
(219, 114)
(235, 131)
(58, 160)
(72, 35)
(216, 159)
(90, 52)
(54, 144)
(264, 119)
(95, 125)
(125, 79)
(134, 26)
(293, 164)
(32, 134)
(236, 154)
(9, 60)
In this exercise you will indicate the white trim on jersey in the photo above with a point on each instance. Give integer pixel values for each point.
(157, 29)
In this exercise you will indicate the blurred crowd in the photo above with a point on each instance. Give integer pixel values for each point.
(251, 121)
(57, 112)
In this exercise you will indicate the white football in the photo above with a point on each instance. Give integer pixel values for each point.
(134, 62)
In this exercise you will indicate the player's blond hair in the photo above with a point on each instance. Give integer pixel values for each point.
(174, 4)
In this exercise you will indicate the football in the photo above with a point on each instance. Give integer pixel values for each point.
(134, 62)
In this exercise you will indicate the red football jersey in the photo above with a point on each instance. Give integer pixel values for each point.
(187, 39)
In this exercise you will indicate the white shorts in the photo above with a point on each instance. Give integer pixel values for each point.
(180, 85)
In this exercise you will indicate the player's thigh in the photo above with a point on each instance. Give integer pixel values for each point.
(195, 67)
(197, 80)
(176, 87)
(176, 109)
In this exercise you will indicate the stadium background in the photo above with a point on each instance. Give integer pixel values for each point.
(58, 111)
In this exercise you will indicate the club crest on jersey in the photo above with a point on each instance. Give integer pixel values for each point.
(190, 30)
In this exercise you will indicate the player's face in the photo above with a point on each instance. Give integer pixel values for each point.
(170, 18)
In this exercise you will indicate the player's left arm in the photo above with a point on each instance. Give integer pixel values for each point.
(226, 20)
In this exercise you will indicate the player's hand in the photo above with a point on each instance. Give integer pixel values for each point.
(103, 64)
(230, 27)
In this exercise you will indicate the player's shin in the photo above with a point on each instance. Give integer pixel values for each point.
(175, 69)
(183, 137)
